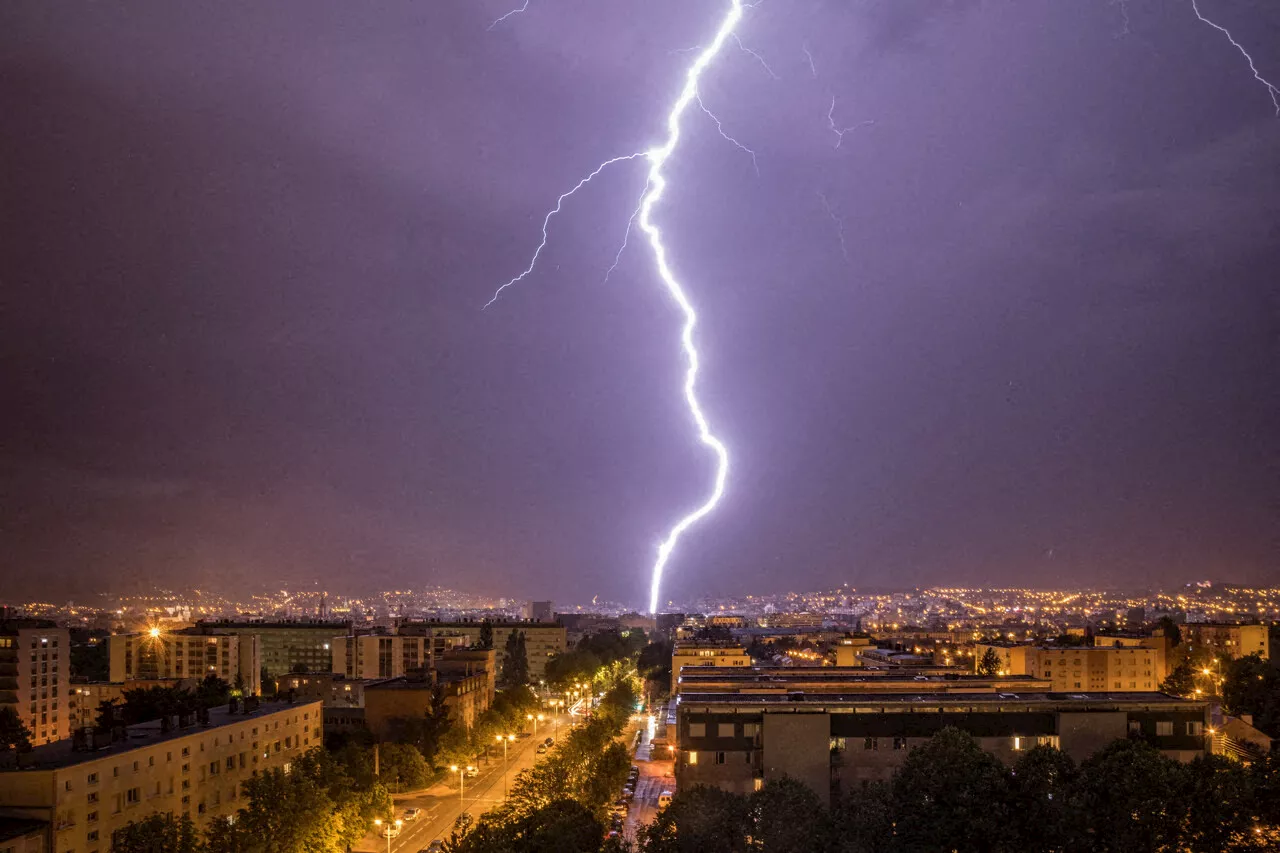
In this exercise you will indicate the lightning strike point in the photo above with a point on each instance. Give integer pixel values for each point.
(523, 8)
(1271, 89)
(727, 137)
(838, 131)
(546, 221)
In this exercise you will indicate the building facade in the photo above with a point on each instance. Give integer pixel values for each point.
(543, 640)
(369, 656)
(834, 743)
(85, 796)
(35, 677)
(160, 656)
(1230, 641)
(284, 646)
(690, 653)
(1111, 669)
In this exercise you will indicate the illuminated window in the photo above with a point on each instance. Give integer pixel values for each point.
(693, 757)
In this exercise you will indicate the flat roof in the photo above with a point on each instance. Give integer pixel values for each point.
(802, 699)
(699, 674)
(16, 827)
(59, 754)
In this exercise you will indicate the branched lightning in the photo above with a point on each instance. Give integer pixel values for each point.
(809, 56)
(726, 136)
(841, 131)
(626, 238)
(1271, 89)
(655, 186)
(522, 8)
(546, 221)
(839, 222)
(757, 57)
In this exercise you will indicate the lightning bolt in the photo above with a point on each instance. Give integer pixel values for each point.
(1271, 89)
(517, 11)
(839, 131)
(655, 187)
(839, 222)
(757, 57)
(809, 56)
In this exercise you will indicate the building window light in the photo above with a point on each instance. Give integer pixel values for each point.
(693, 757)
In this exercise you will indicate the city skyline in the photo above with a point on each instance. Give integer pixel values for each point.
(1018, 325)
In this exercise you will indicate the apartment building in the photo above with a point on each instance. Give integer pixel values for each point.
(35, 676)
(785, 680)
(690, 653)
(86, 795)
(380, 655)
(543, 640)
(1073, 669)
(22, 836)
(835, 742)
(466, 697)
(284, 646)
(1229, 641)
(159, 656)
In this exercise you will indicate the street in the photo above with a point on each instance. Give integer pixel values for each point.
(441, 803)
(657, 774)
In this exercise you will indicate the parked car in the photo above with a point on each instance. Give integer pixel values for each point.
(664, 799)
(390, 831)
(436, 846)
(549, 741)
(473, 771)
(411, 814)
(542, 748)
(523, 735)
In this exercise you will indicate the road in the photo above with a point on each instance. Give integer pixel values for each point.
(441, 804)
(657, 774)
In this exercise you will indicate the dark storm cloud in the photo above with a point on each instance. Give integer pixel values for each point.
(244, 251)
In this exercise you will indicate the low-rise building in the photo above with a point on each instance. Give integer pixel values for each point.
(393, 699)
(156, 655)
(1093, 669)
(835, 742)
(1229, 641)
(85, 795)
(691, 653)
(543, 640)
(22, 835)
(334, 691)
(35, 676)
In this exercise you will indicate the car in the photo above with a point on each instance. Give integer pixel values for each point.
(390, 831)
(523, 735)
(411, 814)
(549, 741)
(664, 799)
(473, 771)
(436, 846)
(542, 749)
(621, 802)
(635, 770)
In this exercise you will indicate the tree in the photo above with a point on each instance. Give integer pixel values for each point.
(1251, 685)
(1218, 797)
(989, 663)
(515, 662)
(562, 826)
(158, 833)
(864, 821)
(1181, 680)
(14, 735)
(699, 820)
(268, 683)
(486, 634)
(785, 816)
(91, 661)
(1040, 815)
(403, 766)
(1128, 794)
(950, 794)
(1170, 630)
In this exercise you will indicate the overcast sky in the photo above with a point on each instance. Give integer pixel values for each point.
(244, 248)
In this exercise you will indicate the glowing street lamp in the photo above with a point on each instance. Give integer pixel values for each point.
(462, 783)
(504, 740)
(387, 835)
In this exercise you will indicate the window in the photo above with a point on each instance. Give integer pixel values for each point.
(899, 743)
(92, 778)
(133, 796)
(1164, 728)
(231, 762)
(1195, 728)
(725, 730)
(1017, 743)
(697, 730)
(692, 757)
(870, 743)
(92, 798)
(91, 817)
(1135, 727)
(749, 729)
(92, 835)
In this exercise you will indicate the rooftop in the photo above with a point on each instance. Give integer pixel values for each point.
(827, 675)
(61, 754)
(857, 701)
(16, 827)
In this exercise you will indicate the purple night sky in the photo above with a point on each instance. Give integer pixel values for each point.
(244, 247)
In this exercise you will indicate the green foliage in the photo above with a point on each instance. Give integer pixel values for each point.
(1039, 812)
(1129, 794)
(404, 767)
(989, 663)
(486, 634)
(1181, 680)
(158, 833)
(785, 816)
(91, 661)
(561, 826)
(699, 820)
(425, 733)
(1251, 685)
(515, 662)
(14, 735)
(1170, 630)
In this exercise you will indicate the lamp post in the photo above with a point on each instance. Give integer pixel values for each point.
(534, 720)
(462, 784)
(504, 740)
(387, 835)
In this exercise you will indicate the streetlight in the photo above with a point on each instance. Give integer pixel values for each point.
(377, 821)
(462, 784)
(535, 721)
(504, 740)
